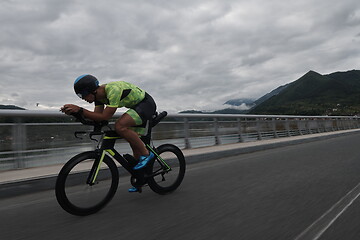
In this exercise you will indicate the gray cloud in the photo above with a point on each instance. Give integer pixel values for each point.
(188, 54)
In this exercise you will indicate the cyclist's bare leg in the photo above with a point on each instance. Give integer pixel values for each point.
(122, 128)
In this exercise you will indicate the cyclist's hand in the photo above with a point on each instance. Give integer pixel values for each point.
(70, 109)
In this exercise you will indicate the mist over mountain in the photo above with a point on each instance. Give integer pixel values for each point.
(240, 101)
(250, 103)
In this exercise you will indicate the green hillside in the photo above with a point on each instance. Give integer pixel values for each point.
(315, 94)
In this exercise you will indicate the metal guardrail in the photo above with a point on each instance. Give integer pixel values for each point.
(27, 144)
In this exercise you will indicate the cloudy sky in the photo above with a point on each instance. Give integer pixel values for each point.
(188, 54)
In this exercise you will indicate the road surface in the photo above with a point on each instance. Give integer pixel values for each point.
(306, 191)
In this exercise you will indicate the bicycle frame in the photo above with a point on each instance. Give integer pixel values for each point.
(107, 147)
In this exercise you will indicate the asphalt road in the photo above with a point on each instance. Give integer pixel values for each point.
(307, 191)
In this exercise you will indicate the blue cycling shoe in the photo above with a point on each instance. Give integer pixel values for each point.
(133, 189)
(143, 161)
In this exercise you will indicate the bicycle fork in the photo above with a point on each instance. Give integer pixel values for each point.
(91, 180)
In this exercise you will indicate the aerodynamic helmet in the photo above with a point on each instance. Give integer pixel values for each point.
(85, 85)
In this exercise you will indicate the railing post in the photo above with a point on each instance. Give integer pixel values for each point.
(299, 126)
(317, 126)
(19, 143)
(337, 124)
(329, 124)
(274, 128)
(187, 133)
(216, 130)
(324, 124)
(241, 139)
(287, 126)
(258, 128)
(352, 123)
(342, 124)
(308, 123)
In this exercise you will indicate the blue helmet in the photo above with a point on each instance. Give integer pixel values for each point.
(85, 85)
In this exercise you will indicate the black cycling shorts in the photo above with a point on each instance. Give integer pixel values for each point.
(145, 110)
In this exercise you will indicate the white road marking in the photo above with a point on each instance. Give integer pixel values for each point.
(315, 230)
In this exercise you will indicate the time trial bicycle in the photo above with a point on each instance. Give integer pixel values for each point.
(89, 180)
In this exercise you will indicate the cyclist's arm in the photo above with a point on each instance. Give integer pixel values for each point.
(99, 108)
(98, 116)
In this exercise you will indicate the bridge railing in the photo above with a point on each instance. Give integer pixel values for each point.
(38, 138)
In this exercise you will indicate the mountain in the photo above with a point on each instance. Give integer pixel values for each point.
(270, 94)
(315, 94)
(11, 107)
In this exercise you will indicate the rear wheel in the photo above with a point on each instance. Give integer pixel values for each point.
(75, 195)
(168, 171)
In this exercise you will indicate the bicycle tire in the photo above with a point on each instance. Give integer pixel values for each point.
(167, 182)
(68, 184)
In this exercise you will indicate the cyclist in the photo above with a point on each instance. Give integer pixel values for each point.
(116, 95)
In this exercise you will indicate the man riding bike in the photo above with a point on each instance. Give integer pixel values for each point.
(116, 95)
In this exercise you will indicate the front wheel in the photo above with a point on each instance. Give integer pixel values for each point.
(75, 195)
(167, 171)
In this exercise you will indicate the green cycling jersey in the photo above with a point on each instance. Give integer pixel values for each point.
(122, 94)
